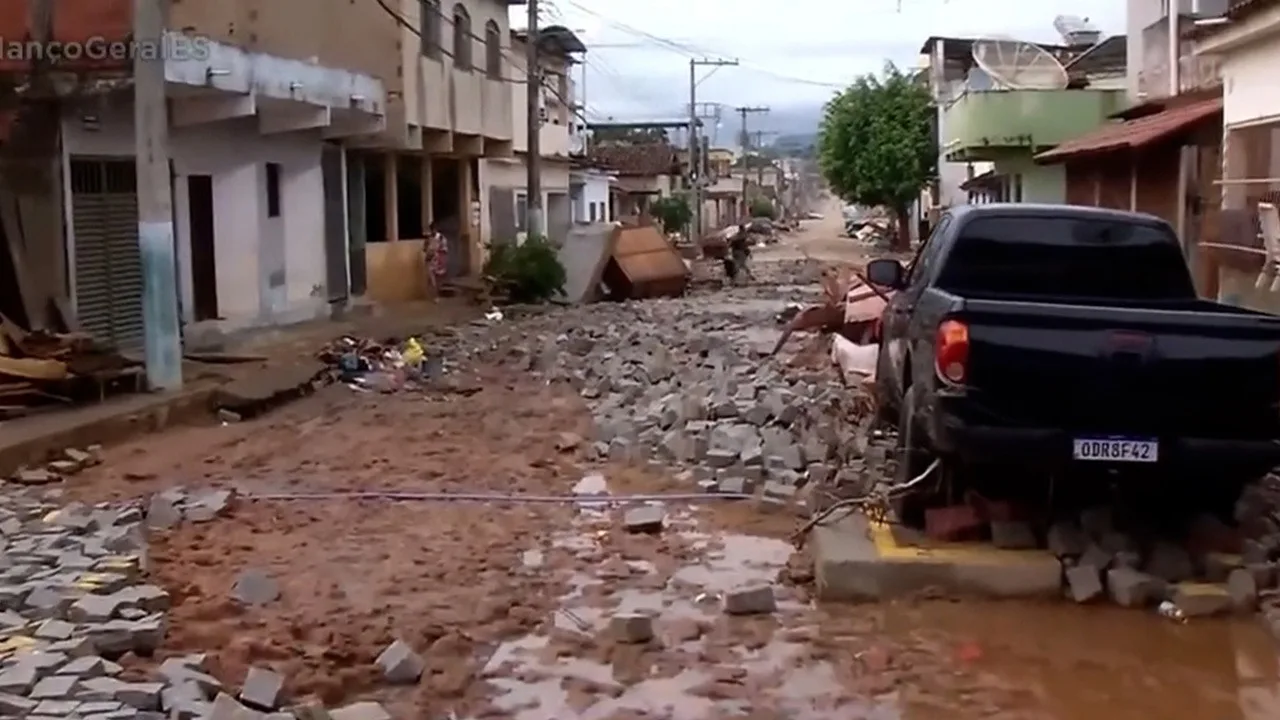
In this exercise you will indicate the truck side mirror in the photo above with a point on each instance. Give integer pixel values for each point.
(886, 273)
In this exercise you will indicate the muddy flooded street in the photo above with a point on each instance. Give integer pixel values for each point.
(555, 530)
(922, 659)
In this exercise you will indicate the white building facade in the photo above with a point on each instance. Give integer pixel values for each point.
(259, 195)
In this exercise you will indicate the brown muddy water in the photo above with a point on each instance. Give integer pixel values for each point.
(911, 661)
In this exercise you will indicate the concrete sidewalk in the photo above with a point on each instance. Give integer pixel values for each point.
(859, 560)
(31, 441)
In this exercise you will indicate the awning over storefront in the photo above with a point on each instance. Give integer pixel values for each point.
(1135, 133)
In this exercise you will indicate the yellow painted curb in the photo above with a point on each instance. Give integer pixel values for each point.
(961, 553)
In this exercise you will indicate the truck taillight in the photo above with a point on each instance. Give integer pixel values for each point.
(951, 351)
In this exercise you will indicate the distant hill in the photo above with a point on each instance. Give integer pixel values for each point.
(799, 120)
(791, 127)
(798, 144)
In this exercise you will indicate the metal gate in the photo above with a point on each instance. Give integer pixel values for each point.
(108, 263)
(502, 216)
(559, 216)
(335, 223)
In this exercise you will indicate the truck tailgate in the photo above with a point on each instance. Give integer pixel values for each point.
(1124, 370)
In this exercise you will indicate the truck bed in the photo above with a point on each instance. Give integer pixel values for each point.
(1185, 367)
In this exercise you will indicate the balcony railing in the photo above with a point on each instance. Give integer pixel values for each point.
(983, 126)
(1194, 72)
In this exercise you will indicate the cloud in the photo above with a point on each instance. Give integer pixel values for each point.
(818, 41)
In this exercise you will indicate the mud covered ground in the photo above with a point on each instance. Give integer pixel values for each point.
(508, 603)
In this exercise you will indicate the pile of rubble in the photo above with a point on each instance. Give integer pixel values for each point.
(71, 462)
(870, 226)
(1099, 559)
(41, 368)
(76, 600)
(692, 383)
(381, 365)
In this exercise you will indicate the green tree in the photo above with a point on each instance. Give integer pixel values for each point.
(876, 144)
(761, 208)
(674, 212)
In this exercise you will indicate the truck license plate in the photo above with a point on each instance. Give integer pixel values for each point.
(1115, 450)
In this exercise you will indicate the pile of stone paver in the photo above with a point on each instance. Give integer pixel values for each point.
(1100, 559)
(688, 383)
(75, 599)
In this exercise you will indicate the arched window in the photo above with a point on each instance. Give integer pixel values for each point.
(493, 50)
(429, 28)
(462, 38)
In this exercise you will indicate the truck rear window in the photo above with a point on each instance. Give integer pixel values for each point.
(1066, 257)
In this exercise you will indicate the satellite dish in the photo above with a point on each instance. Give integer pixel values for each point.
(1018, 65)
(1076, 31)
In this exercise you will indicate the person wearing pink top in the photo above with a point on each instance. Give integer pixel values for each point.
(435, 253)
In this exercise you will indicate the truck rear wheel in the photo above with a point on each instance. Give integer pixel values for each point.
(914, 457)
(886, 414)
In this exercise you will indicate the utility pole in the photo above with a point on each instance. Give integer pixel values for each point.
(759, 144)
(696, 178)
(582, 105)
(1175, 50)
(746, 144)
(533, 127)
(155, 201)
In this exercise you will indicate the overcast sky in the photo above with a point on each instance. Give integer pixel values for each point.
(793, 52)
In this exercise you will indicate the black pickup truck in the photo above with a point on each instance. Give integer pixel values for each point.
(1058, 340)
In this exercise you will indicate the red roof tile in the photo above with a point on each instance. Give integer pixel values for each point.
(1241, 9)
(637, 159)
(1134, 133)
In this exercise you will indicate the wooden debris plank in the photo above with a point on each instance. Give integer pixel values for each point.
(33, 369)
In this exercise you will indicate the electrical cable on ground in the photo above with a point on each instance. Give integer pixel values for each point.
(878, 499)
(492, 497)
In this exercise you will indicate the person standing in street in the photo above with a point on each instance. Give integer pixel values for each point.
(740, 253)
(435, 252)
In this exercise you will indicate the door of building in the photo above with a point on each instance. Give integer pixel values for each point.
(107, 268)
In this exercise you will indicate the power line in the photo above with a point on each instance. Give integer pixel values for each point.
(696, 149)
(693, 50)
(607, 71)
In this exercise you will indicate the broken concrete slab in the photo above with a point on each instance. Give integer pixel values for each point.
(1084, 583)
(162, 513)
(857, 560)
(226, 707)
(1132, 588)
(1200, 599)
(1242, 588)
(400, 665)
(361, 711)
(584, 252)
(255, 587)
(647, 519)
(1096, 557)
(262, 689)
(15, 705)
(756, 599)
(268, 387)
(631, 628)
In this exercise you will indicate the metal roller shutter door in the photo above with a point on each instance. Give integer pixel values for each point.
(108, 264)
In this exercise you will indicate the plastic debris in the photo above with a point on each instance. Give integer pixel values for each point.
(1171, 611)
